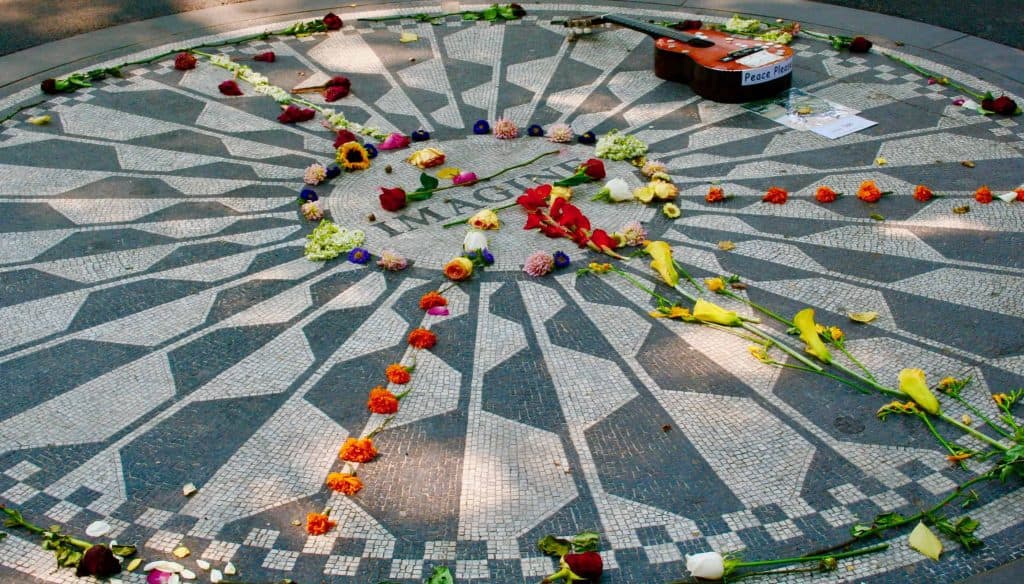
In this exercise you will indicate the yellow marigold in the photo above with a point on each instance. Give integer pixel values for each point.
(353, 156)
(319, 523)
(358, 450)
(715, 284)
(343, 482)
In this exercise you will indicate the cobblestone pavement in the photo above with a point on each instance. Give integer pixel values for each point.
(161, 327)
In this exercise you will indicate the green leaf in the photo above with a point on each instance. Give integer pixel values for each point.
(554, 546)
(428, 181)
(441, 575)
(586, 541)
(888, 519)
(576, 179)
(860, 529)
(125, 551)
(469, 15)
(877, 217)
(419, 195)
(506, 12)
(491, 13)
(2, 535)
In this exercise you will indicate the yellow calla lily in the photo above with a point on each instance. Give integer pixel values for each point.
(913, 384)
(804, 321)
(662, 261)
(705, 311)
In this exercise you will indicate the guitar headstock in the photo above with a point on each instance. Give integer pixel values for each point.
(583, 25)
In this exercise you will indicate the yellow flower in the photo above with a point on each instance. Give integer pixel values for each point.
(671, 211)
(663, 191)
(760, 353)
(897, 407)
(715, 284)
(426, 158)
(804, 321)
(912, 383)
(946, 383)
(485, 219)
(1000, 398)
(644, 194)
(673, 312)
(459, 269)
(662, 263)
(560, 193)
(599, 268)
(705, 311)
(450, 172)
(353, 156)
(836, 333)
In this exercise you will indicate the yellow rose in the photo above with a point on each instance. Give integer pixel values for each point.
(459, 269)
(426, 158)
(804, 321)
(485, 219)
(912, 383)
(663, 191)
(662, 263)
(644, 194)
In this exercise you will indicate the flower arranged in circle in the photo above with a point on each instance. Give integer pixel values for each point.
(560, 133)
(315, 174)
(432, 299)
(474, 241)
(336, 92)
(371, 150)
(983, 195)
(588, 138)
(804, 321)
(353, 156)
(343, 137)
(1020, 194)
(294, 114)
(311, 212)
(923, 193)
(825, 194)
(392, 199)
(716, 194)
(776, 196)
(652, 167)
(860, 44)
(420, 136)
(561, 193)
(426, 158)
(561, 259)
(230, 87)
(383, 402)
(343, 482)
(394, 141)
(392, 261)
(705, 311)
(421, 338)
(458, 269)
(670, 210)
(662, 262)
(593, 168)
(913, 383)
(358, 449)
(715, 284)
(319, 523)
(332, 21)
(633, 233)
(265, 57)
(184, 61)
(481, 127)
(464, 178)
(99, 561)
(333, 170)
(484, 219)
(1002, 105)
(308, 195)
(339, 81)
(535, 130)
(398, 374)
(505, 129)
(539, 263)
(869, 192)
(359, 256)
(614, 191)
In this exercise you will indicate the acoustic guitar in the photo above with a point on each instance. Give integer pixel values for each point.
(716, 65)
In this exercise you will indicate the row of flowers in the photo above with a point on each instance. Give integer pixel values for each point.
(868, 192)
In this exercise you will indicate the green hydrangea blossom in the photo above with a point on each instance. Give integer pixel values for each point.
(328, 241)
(616, 146)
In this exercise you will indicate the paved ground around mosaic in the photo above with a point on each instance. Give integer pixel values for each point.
(160, 325)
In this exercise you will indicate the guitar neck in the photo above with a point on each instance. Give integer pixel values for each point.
(657, 31)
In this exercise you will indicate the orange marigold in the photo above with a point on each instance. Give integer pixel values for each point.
(869, 192)
(1020, 194)
(715, 195)
(381, 401)
(776, 196)
(983, 195)
(342, 482)
(358, 450)
(825, 195)
(422, 339)
(398, 374)
(319, 523)
(432, 299)
(923, 193)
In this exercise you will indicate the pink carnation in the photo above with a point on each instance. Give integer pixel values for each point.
(505, 129)
(394, 142)
(560, 133)
(539, 263)
(464, 178)
(315, 174)
(392, 261)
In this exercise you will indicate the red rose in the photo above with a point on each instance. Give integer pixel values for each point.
(229, 87)
(392, 199)
(517, 10)
(860, 45)
(268, 57)
(339, 81)
(49, 86)
(593, 168)
(294, 113)
(1020, 194)
(184, 61)
(1003, 105)
(332, 21)
(587, 565)
(343, 137)
(335, 93)
(98, 561)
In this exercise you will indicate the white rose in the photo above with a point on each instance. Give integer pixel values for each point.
(475, 240)
(708, 565)
(618, 190)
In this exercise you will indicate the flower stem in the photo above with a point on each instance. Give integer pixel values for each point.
(783, 347)
(854, 360)
(931, 428)
(401, 16)
(758, 307)
(489, 177)
(686, 275)
(813, 558)
(637, 283)
(983, 417)
(466, 219)
(942, 79)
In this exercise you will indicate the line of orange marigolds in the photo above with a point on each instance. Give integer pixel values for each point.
(867, 192)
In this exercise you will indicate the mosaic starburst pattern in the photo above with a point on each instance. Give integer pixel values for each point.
(161, 327)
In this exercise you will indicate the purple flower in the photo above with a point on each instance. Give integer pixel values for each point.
(308, 195)
(358, 255)
(561, 259)
(481, 127)
(959, 101)
(535, 131)
(588, 138)
(371, 150)
(334, 170)
(487, 256)
(98, 561)
(420, 136)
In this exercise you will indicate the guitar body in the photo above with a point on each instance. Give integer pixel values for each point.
(728, 82)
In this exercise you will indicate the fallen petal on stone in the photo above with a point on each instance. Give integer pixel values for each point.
(438, 311)
(863, 317)
(133, 565)
(189, 490)
(216, 576)
(230, 569)
(187, 574)
(203, 564)
(181, 552)
(101, 528)
(164, 566)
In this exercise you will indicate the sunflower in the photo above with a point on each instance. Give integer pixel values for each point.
(353, 156)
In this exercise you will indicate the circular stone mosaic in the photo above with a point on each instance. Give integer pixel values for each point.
(161, 327)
